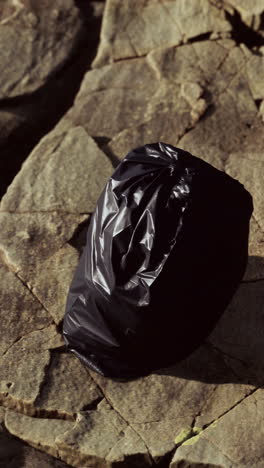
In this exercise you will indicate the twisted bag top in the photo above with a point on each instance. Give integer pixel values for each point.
(166, 249)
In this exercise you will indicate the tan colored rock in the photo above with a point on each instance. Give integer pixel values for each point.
(38, 236)
(255, 267)
(40, 433)
(160, 436)
(51, 280)
(160, 406)
(97, 437)
(228, 120)
(172, 116)
(36, 38)
(14, 453)
(129, 451)
(261, 111)
(232, 441)
(67, 388)
(255, 72)
(92, 438)
(136, 103)
(23, 366)
(114, 98)
(132, 29)
(20, 313)
(66, 172)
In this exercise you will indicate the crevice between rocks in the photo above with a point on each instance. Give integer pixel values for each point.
(243, 34)
(42, 109)
(215, 421)
(17, 274)
(122, 417)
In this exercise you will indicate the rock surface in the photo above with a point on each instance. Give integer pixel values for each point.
(133, 29)
(175, 71)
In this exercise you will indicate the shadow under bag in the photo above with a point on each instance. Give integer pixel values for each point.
(166, 248)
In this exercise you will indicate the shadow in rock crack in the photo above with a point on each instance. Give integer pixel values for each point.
(37, 113)
(234, 351)
(16, 454)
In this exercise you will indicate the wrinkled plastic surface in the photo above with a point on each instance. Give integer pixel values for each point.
(166, 249)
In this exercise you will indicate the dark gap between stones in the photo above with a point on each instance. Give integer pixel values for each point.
(242, 34)
(40, 111)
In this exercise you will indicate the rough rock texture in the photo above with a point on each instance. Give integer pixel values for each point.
(50, 31)
(187, 73)
(134, 28)
(215, 447)
(45, 48)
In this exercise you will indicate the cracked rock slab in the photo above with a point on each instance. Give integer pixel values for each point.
(175, 109)
(160, 406)
(14, 453)
(19, 311)
(23, 366)
(92, 438)
(232, 441)
(52, 288)
(67, 387)
(33, 42)
(130, 451)
(38, 237)
(131, 29)
(127, 84)
(40, 433)
(66, 172)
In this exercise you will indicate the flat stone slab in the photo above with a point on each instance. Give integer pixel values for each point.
(66, 173)
(225, 442)
(33, 43)
(20, 312)
(165, 71)
(133, 29)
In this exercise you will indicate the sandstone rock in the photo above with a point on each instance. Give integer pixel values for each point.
(232, 441)
(14, 453)
(63, 177)
(38, 236)
(172, 116)
(96, 437)
(92, 438)
(66, 172)
(52, 288)
(255, 71)
(109, 100)
(130, 30)
(20, 313)
(160, 406)
(67, 388)
(40, 433)
(261, 110)
(22, 368)
(129, 451)
(255, 267)
(36, 38)
(168, 109)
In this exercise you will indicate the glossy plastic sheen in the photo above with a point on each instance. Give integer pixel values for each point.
(166, 249)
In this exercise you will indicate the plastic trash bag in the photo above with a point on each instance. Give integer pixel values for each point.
(166, 249)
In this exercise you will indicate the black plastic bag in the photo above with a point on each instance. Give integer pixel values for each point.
(166, 249)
